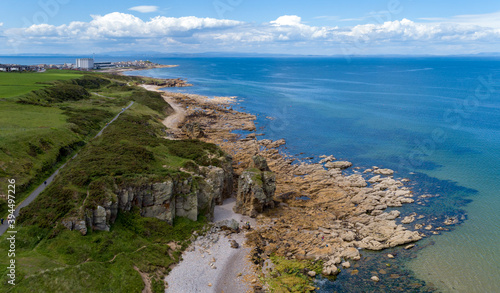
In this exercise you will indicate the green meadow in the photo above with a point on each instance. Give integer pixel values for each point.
(13, 84)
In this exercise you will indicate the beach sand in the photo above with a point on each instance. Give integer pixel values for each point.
(195, 274)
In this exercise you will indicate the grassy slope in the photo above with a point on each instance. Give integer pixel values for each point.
(100, 261)
(17, 83)
(53, 259)
(34, 139)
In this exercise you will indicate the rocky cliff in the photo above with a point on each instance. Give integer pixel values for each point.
(192, 195)
(256, 187)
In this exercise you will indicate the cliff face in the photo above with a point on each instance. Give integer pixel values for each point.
(188, 197)
(256, 187)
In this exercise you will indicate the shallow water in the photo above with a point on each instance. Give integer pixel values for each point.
(433, 120)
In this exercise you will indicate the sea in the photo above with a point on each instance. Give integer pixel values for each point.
(434, 120)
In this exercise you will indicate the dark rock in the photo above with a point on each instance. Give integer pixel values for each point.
(234, 244)
(260, 163)
(193, 130)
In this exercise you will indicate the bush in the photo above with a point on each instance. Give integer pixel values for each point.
(202, 153)
(87, 120)
(153, 100)
(91, 82)
(57, 93)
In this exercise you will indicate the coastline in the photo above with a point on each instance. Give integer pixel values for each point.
(122, 70)
(355, 205)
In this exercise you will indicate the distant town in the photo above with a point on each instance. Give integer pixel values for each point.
(84, 64)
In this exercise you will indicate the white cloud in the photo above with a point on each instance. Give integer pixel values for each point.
(144, 8)
(488, 20)
(407, 30)
(287, 20)
(118, 24)
(281, 35)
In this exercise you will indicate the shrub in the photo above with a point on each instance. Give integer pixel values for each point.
(87, 120)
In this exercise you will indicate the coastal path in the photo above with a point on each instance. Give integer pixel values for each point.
(44, 185)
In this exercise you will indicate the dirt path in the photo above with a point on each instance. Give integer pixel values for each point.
(146, 280)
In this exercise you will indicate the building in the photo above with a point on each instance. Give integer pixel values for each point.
(17, 68)
(85, 63)
(104, 65)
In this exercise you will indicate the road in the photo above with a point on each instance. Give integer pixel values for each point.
(47, 182)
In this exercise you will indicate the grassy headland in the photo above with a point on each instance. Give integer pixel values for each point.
(41, 129)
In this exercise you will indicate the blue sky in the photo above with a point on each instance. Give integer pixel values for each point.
(299, 27)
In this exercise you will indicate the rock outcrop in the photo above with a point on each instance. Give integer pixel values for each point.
(187, 197)
(256, 187)
(193, 130)
(338, 165)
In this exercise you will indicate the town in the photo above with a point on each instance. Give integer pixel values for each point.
(83, 64)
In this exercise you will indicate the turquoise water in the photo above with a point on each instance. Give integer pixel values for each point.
(433, 120)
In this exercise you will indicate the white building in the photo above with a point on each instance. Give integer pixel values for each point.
(85, 63)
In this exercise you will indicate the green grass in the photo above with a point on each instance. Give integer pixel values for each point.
(69, 262)
(289, 275)
(13, 84)
(32, 138)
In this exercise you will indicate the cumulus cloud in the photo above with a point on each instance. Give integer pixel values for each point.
(405, 29)
(126, 25)
(144, 8)
(283, 33)
(287, 20)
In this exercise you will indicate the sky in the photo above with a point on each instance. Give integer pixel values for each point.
(315, 27)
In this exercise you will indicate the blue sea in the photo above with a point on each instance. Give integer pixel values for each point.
(433, 120)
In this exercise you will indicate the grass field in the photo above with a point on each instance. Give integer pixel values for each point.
(13, 84)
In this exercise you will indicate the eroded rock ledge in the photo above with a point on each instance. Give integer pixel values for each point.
(183, 196)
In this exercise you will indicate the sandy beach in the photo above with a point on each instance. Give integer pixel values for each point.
(211, 265)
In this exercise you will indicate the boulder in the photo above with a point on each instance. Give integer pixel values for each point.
(408, 219)
(356, 180)
(193, 130)
(326, 159)
(338, 165)
(234, 244)
(386, 172)
(351, 253)
(374, 179)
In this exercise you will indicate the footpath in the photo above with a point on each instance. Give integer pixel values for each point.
(47, 182)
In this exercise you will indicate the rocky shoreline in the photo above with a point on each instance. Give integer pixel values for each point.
(317, 212)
